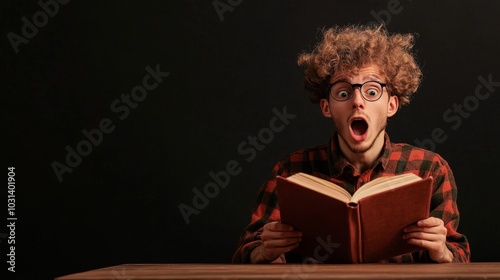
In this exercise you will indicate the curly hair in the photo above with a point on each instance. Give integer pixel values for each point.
(355, 46)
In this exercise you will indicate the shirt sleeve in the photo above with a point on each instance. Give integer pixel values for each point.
(444, 206)
(265, 210)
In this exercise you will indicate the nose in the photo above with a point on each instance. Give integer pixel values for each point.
(357, 99)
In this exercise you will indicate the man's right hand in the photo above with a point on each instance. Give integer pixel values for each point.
(277, 238)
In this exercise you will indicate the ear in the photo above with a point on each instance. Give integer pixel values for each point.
(325, 108)
(393, 106)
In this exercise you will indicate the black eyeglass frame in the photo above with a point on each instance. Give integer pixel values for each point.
(353, 86)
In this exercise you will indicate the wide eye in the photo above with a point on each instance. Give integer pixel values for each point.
(372, 92)
(341, 91)
(343, 94)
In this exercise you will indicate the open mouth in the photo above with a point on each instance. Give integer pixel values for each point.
(359, 129)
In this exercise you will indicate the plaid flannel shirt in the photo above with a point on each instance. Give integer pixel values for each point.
(327, 162)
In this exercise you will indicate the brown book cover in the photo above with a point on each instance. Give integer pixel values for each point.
(339, 229)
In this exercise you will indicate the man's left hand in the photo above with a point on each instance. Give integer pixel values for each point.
(430, 234)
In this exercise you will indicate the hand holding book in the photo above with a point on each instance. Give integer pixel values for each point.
(430, 234)
(277, 239)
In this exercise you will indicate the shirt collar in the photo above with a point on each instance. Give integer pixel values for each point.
(338, 164)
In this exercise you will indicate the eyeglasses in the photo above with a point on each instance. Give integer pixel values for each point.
(342, 91)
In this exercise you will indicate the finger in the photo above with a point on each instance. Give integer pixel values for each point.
(430, 222)
(277, 226)
(425, 236)
(285, 242)
(429, 245)
(441, 229)
(435, 230)
(279, 230)
(267, 235)
(290, 247)
(272, 253)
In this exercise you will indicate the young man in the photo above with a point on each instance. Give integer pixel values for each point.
(360, 76)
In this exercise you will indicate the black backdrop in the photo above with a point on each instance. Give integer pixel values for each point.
(231, 66)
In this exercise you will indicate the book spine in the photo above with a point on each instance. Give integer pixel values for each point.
(354, 233)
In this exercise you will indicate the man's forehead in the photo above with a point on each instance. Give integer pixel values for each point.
(366, 73)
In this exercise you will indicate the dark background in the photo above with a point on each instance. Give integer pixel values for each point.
(120, 204)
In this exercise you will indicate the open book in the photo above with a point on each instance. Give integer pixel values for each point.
(365, 227)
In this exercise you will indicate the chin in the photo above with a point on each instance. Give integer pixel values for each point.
(360, 148)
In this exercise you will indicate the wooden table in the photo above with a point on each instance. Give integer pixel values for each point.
(485, 270)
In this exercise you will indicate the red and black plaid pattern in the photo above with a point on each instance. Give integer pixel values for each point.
(327, 162)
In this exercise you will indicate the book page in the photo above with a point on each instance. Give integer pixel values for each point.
(320, 185)
(382, 184)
